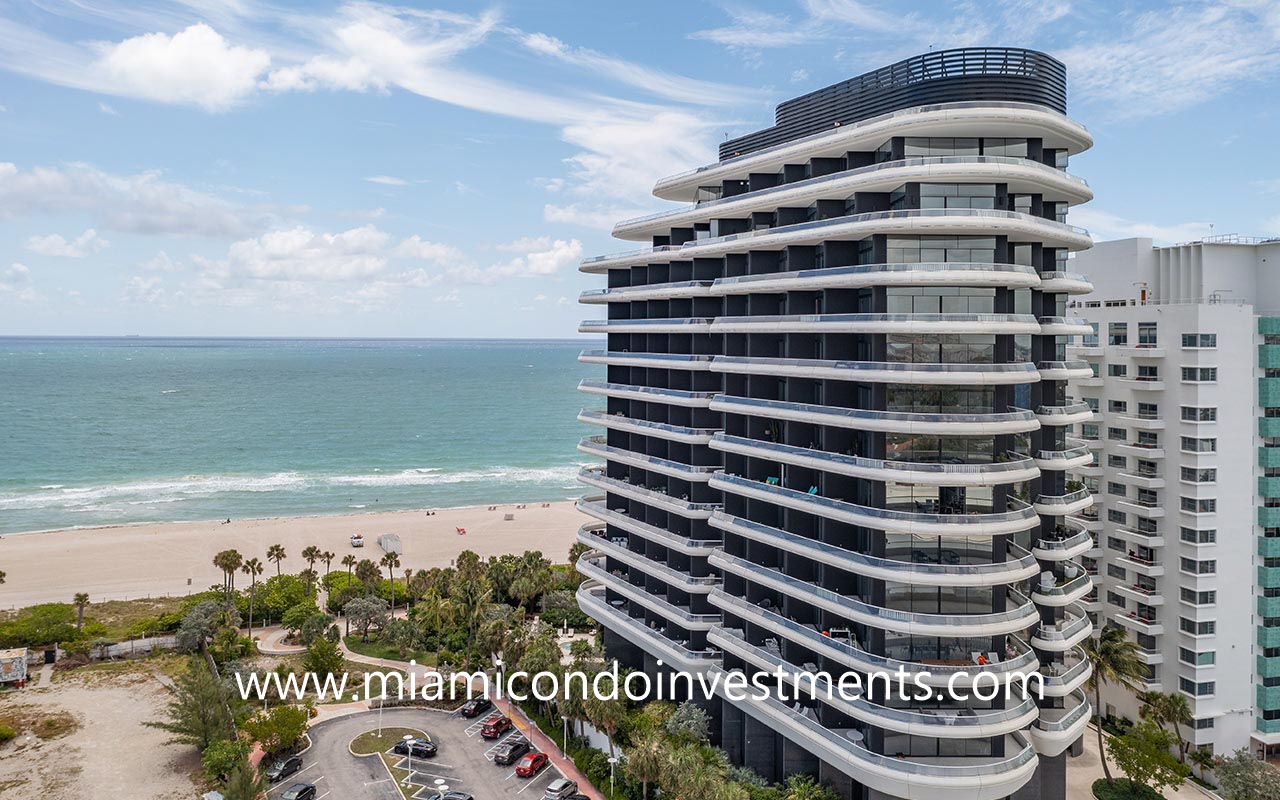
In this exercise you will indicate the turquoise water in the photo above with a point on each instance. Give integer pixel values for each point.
(107, 431)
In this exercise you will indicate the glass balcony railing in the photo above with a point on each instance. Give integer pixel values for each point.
(626, 293)
(881, 323)
(922, 572)
(725, 205)
(599, 446)
(592, 567)
(599, 478)
(1013, 275)
(825, 228)
(654, 394)
(858, 418)
(690, 324)
(854, 608)
(591, 598)
(690, 583)
(895, 371)
(595, 507)
(666, 360)
(662, 430)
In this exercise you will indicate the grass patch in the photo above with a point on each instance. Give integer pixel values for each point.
(1124, 789)
(376, 649)
(399, 776)
(43, 724)
(125, 617)
(370, 742)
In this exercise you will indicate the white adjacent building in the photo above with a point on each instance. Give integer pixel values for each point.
(1186, 433)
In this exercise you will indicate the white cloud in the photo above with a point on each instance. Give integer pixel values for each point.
(590, 216)
(160, 262)
(195, 66)
(387, 180)
(540, 256)
(141, 203)
(1103, 225)
(106, 109)
(300, 254)
(1174, 58)
(416, 247)
(83, 245)
(451, 297)
(799, 75)
(143, 290)
(15, 282)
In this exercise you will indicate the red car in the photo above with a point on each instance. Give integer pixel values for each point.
(528, 766)
(495, 727)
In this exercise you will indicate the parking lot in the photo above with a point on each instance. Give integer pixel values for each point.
(464, 762)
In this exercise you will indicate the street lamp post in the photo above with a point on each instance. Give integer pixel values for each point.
(564, 747)
(408, 749)
(612, 760)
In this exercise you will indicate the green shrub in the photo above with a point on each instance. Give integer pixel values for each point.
(6, 733)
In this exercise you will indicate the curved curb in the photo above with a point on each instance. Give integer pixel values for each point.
(369, 755)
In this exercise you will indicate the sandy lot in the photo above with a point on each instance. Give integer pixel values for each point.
(111, 752)
(124, 562)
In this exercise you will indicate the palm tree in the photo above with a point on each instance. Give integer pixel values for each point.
(1204, 759)
(309, 575)
(81, 600)
(253, 568)
(276, 553)
(437, 611)
(228, 561)
(1170, 710)
(3, 575)
(606, 715)
(644, 759)
(348, 561)
(312, 554)
(1115, 660)
(327, 557)
(368, 574)
(391, 561)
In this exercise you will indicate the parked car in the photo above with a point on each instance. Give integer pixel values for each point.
(560, 789)
(299, 791)
(418, 748)
(507, 752)
(476, 706)
(458, 796)
(495, 727)
(529, 765)
(357, 540)
(282, 768)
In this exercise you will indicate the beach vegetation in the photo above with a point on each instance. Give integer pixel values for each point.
(323, 658)
(244, 783)
(1242, 776)
(221, 758)
(45, 624)
(1115, 660)
(276, 555)
(279, 729)
(199, 713)
(1143, 755)
(229, 561)
(366, 614)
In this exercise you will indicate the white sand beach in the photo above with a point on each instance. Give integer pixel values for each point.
(124, 562)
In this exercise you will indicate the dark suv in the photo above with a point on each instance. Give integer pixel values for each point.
(475, 707)
(418, 748)
(282, 768)
(509, 752)
(299, 791)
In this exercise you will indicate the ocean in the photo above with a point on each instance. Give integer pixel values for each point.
(110, 431)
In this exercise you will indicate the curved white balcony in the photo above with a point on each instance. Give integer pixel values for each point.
(908, 572)
(1064, 592)
(936, 273)
(995, 473)
(597, 446)
(1065, 634)
(653, 291)
(1062, 505)
(852, 608)
(665, 325)
(1058, 728)
(904, 324)
(1065, 548)
(961, 673)
(693, 584)
(1064, 326)
(1065, 674)
(1022, 175)
(1070, 414)
(959, 723)
(880, 371)
(646, 394)
(595, 507)
(1064, 370)
(598, 478)
(1065, 282)
(888, 520)
(941, 119)
(659, 430)
(958, 778)
(591, 601)
(926, 221)
(1062, 460)
(589, 566)
(622, 358)
(886, 421)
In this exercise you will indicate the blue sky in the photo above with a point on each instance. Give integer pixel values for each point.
(358, 169)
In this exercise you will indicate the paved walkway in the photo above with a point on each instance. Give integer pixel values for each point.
(46, 676)
(270, 642)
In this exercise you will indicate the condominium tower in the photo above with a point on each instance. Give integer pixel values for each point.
(834, 429)
(1185, 355)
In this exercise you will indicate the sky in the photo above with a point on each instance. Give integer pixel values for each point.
(233, 168)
